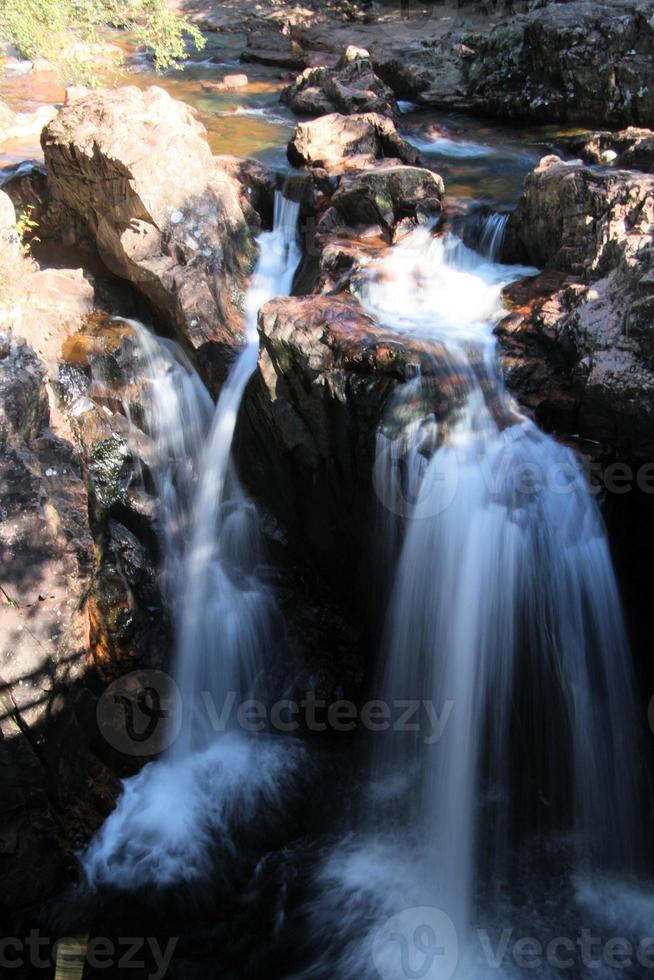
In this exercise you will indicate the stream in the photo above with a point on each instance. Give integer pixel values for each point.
(503, 625)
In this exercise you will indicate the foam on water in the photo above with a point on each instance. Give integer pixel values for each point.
(445, 147)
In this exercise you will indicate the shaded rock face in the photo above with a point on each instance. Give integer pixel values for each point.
(136, 167)
(27, 186)
(629, 149)
(578, 344)
(270, 47)
(100, 381)
(576, 61)
(348, 142)
(78, 589)
(47, 561)
(351, 87)
(308, 428)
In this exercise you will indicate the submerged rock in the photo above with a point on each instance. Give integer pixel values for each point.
(352, 86)
(579, 343)
(135, 165)
(348, 142)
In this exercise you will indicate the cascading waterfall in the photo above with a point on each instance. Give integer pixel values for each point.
(505, 618)
(224, 615)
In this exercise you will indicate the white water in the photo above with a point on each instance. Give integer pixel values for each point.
(446, 147)
(505, 616)
(172, 813)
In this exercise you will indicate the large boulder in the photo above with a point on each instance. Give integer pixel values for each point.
(136, 166)
(578, 219)
(568, 61)
(387, 197)
(352, 86)
(308, 430)
(336, 142)
(579, 343)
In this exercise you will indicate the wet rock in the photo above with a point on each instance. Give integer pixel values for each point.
(307, 432)
(79, 596)
(386, 196)
(47, 561)
(351, 87)
(578, 344)
(348, 142)
(135, 165)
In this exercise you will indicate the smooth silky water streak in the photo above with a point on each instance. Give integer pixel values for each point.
(225, 620)
(504, 593)
(505, 617)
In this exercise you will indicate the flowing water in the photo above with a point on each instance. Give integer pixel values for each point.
(513, 805)
(225, 619)
(505, 622)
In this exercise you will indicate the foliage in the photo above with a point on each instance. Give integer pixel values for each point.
(25, 225)
(16, 263)
(53, 30)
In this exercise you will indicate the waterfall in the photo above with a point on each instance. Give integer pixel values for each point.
(505, 606)
(224, 615)
(492, 234)
(504, 617)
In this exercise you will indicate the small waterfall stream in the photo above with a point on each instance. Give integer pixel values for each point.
(505, 618)
(223, 613)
